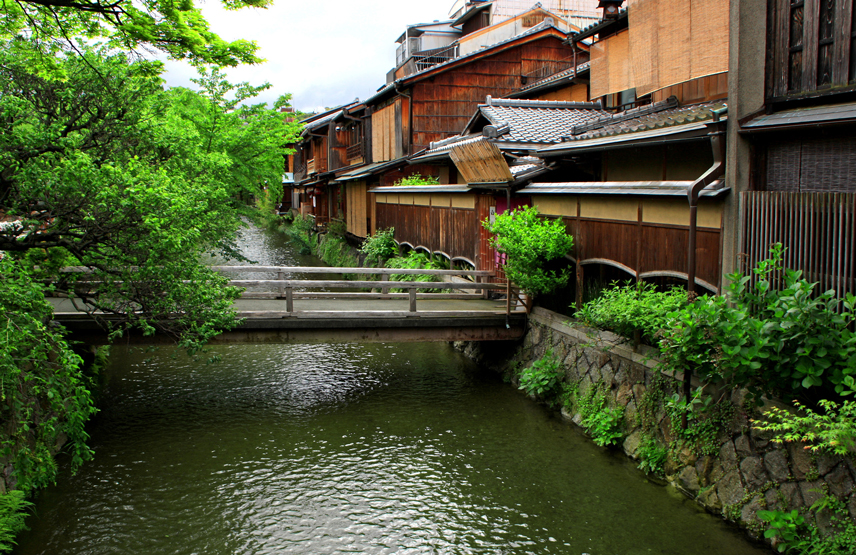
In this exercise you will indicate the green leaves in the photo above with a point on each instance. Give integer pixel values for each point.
(530, 245)
(772, 340)
(44, 393)
(381, 246)
(626, 309)
(543, 377)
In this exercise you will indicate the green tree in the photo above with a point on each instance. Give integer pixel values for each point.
(530, 243)
(135, 183)
(44, 29)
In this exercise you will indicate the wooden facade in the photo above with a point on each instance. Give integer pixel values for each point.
(445, 223)
(644, 236)
(812, 48)
(437, 103)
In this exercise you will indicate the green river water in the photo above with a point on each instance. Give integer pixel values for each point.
(348, 448)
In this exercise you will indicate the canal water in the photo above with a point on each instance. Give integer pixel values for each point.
(348, 448)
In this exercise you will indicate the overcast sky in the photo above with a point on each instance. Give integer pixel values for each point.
(324, 52)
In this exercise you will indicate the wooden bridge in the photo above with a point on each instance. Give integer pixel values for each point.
(285, 310)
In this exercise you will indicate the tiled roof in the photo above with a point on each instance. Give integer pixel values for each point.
(619, 124)
(538, 121)
(557, 76)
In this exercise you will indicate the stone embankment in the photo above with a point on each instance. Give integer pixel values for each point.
(739, 473)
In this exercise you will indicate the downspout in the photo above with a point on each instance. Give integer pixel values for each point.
(716, 171)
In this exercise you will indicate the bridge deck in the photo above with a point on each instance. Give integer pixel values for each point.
(340, 320)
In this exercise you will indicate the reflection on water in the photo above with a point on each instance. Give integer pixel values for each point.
(328, 449)
(404, 448)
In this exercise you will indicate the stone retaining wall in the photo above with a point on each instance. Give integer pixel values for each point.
(748, 471)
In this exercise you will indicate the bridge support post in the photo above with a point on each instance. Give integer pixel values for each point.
(411, 293)
(280, 276)
(384, 290)
(289, 299)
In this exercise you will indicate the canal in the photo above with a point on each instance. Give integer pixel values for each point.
(348, 448)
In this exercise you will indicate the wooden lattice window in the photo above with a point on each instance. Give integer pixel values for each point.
(812, 48)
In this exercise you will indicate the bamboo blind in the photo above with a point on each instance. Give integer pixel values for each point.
(481, 162)
(818, 231)
(610, 65)
(675, 41)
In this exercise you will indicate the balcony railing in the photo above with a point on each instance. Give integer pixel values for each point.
(310, 166)
(354, 152)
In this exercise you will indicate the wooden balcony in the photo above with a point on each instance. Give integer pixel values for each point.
(310, 166)
(354, 154)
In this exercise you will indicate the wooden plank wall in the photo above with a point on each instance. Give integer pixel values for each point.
(450, 230)
(357, 217)
(390, 129)
(443, 104)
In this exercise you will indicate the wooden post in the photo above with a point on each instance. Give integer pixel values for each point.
(289, 299)
(412, 295)
(280, 276)
(384, 290)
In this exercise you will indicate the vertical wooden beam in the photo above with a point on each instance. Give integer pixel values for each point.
(289, 299)
(811, 20)
(781, 41)
(841, 53)
(411, 294)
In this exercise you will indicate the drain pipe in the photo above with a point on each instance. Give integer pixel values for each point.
(716, 171)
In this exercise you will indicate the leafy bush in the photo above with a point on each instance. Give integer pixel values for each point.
(416, 180)
(381, 246)
(543, 377)
(602, 422)
(530, 244)
(773, 342)
(792, 532)
(625, 309)
(652, 456)
(13, 509)
(413, 261)
(334, 250)
(300, 233)
(834, 431)
(44, 394)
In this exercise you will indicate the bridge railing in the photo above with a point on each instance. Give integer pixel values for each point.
(286, 288)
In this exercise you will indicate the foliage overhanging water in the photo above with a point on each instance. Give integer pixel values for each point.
(377, 448)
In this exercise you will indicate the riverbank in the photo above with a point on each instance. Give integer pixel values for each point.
(722, 463)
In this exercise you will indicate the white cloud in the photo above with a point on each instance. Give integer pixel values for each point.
(324, 53)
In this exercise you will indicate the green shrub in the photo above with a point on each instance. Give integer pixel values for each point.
(416, 180)
(530, 243)
(13, 512)
(605, 424)
(652, 456)
(793, 533)
(381, 246)
(334, 250)
(300, 232)
(414, 261)
(625, 309)
(834, 431)
(772, 342)
(543, 377)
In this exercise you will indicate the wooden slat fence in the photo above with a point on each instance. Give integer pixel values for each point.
(818, 231)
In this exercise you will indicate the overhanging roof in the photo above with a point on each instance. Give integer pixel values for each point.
(421, 189)
(656, 188)
(837, 114)
(369, 170)
(690, 131)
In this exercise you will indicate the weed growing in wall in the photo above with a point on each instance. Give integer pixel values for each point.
(706, 420)
(603, 422)
(652, 456)
(791, 532)
(543, 377)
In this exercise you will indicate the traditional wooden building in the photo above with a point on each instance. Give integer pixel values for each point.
(793, 155)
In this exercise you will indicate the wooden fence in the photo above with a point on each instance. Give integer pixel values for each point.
(818, 231)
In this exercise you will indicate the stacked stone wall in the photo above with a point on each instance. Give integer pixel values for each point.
(746, 473)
